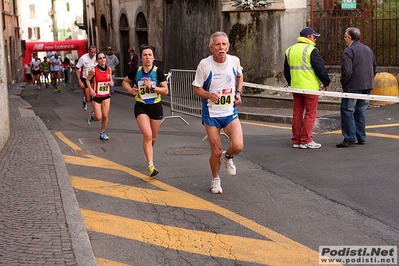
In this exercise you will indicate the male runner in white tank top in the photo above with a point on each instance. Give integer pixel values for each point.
(218, 81)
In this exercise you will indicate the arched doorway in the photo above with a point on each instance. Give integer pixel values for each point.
(124, 44)
(104, 34)
(141, 29)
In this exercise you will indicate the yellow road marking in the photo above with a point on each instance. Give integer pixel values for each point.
(279, 248)
(389, 136)
(104, 262)
(383, 125)
(178, 198)
(67, 141)
(381, 135)
(265, 125)
(197, 242)
(159, 197)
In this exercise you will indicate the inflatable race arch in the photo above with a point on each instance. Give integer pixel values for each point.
(33, 47)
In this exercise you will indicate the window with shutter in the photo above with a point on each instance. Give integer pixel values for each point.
(32, 11)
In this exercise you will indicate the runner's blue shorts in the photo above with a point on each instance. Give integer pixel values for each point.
(219, 122)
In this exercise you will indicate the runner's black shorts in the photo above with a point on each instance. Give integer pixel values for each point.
(153, 111)
(84, 81)
(99, 99)
(36, 72)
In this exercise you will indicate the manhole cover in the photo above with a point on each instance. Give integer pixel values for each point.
(188, 151)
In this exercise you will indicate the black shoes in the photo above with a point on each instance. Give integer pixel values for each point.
(345, 143)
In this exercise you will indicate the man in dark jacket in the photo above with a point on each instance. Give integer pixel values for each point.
(358, 68)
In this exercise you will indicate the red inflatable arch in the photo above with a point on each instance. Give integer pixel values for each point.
(32, 47)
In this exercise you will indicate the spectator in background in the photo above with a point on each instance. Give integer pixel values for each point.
(28, 73)
(304, 69)
(112, 62)
(358, 69)
(134, 60)
(66, 64)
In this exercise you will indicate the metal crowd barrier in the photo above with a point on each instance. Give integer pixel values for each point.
(182, 97)
(73, 82)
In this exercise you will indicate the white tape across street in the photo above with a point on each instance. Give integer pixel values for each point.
(326, 93)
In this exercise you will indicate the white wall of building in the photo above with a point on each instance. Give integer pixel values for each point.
(38, 17)
(69, 11)
(292, 4)
(293, 21)
(37, 14)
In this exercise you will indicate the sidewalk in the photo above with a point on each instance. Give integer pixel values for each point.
(40, 220)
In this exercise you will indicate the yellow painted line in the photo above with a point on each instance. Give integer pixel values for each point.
(332, 132)
(152, 196)
(282, 247)
(388, 136)
(178, 198)
(104, 262)
(383, 125)
(265, 125)
(380, 135)
(371, 127)
(338, 131)
(67, 141)
(197, 242)
(171, 196)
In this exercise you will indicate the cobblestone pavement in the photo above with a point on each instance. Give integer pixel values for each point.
(40, 222)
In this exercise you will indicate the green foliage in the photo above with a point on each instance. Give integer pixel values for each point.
(251, 4)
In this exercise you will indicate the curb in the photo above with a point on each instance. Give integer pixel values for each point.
(80, 241)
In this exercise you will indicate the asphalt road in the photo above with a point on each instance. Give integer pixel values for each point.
(280, 207)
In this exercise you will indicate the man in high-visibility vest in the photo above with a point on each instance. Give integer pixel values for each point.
(304, 69)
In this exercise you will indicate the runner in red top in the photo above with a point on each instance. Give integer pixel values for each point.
(99, 82)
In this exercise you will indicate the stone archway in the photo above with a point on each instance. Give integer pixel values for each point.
(124, 44)
(141, 30)
(103, 34)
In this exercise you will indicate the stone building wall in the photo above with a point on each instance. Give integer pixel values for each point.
(4, 109)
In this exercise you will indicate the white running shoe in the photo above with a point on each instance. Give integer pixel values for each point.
(215, 186)
(84, 104)
(103, 136)
(310, 145)
(228, 163)
(296, 146)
